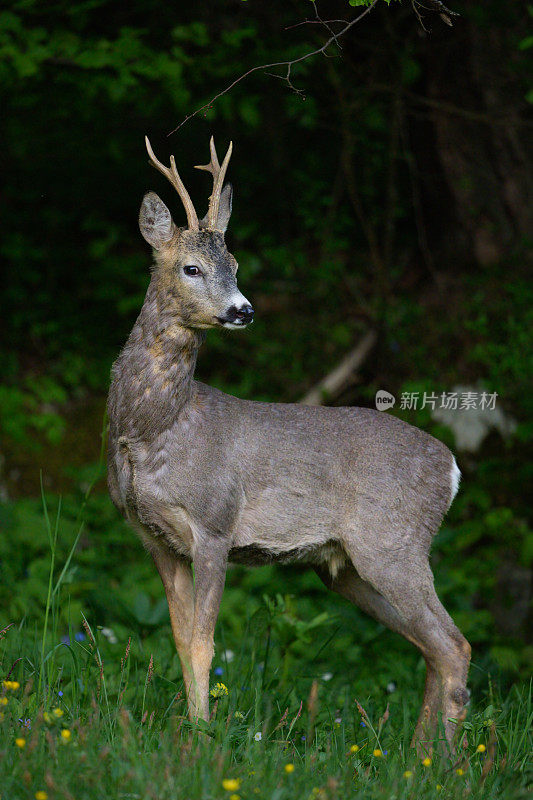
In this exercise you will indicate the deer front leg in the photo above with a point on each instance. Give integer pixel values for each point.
(209, 578)
(176, 575)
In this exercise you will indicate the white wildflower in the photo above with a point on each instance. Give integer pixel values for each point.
(109, 634)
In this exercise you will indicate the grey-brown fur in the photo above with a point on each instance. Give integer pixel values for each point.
(205, 477)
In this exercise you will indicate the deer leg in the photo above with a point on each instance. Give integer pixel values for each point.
(176, 576)
(209, 579)
(451, 661)
(349, 585)
(407, 586)
(447, 654)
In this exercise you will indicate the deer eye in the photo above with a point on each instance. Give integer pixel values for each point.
(191, 270)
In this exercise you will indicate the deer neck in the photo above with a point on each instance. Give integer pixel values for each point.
(164, 352)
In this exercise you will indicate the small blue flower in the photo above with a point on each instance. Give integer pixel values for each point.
(362, 724)
(385, 752)
(218, 671)
(304, 738)
(79, 636)
(60, 693)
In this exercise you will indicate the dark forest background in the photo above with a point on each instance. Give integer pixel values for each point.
(393, 194)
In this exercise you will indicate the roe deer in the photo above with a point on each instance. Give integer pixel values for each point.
(206, 478)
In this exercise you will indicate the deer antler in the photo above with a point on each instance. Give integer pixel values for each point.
(172, 175)
(219, 173)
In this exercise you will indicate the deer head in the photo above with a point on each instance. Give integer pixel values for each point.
(192, 264)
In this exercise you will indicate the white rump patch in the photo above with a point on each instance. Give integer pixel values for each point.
(455, 477)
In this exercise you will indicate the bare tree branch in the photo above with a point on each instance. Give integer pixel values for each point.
(315, 22)
(338, 378)
(326, 25)
(288, 63)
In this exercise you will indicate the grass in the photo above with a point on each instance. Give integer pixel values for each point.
(313, 701)
(115, 727)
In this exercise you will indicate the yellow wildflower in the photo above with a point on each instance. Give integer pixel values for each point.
(15, 685)
(234, 797)
(11, 685)
(289, 768)
(40, 795)
(66, 734)
(231, 784)
(219, 690)
(459, 771)
(407, 774)
(377, 753)
(439, 787)
(20, 742)
(426, 761)
(480, 748)
(354, 748)
(57, 712)
(47, 718)
(3, 701)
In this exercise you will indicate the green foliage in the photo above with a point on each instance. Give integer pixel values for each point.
(33, 407)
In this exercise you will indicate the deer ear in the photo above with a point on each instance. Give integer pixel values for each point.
(155, 221)
(224, 209)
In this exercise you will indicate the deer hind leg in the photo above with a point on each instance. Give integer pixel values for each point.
(450, 653)
(447, 653)
(402, 597)
(176, 576)
(406, 583)
(350, 585)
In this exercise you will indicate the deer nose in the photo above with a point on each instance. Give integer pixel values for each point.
(245, 313)
(238, 315)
